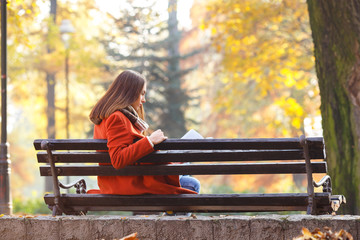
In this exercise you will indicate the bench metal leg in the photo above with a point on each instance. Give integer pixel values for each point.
(56, 211)
(311, 208)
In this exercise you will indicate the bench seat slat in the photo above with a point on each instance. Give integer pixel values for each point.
(188, 156)
(192, 169)
(179, 144)
(190, 202)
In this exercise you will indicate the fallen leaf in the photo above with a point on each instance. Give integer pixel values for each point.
(306, 233)
(130, 237)
(327, 234)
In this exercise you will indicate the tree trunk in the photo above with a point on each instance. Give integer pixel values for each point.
(336, 34)
(50, 80)
(175, 96)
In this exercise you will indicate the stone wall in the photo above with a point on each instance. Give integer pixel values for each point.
(164, 227)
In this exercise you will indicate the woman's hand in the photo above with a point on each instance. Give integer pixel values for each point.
(157, 137)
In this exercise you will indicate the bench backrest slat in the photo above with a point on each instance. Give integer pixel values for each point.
(182, 156)
(191, 144)
(193, 169)
(73, 144)
(271, 151)
(239, 144)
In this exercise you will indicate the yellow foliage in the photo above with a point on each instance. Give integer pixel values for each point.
(267, 60)
(265, 183)
(290, 81)
(296, 122)
(213, 31)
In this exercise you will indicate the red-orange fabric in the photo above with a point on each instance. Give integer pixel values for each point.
(120, 133)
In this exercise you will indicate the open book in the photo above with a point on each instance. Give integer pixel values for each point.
(192, 134)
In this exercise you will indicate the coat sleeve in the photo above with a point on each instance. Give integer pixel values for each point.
(122, 150)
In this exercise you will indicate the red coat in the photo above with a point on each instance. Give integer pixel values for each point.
(120, 133)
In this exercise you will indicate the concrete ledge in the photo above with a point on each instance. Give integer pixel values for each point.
(164, 227)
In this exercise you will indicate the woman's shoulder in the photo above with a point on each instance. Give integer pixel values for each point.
(117, 116)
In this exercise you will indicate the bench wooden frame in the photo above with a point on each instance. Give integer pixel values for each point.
(217, 153)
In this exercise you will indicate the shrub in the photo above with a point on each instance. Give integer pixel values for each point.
(30, 206)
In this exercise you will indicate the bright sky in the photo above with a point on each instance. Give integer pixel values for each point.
(184, 7)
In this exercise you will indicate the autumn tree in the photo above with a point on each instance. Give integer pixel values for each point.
(20, 14)
(266, 67)
(29, 63)
(336, 34)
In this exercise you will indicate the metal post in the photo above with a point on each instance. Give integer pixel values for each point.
(67, 102)
(66, 29)
(67, 93)
(5, 196)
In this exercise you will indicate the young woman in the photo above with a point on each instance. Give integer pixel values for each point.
(119, 117)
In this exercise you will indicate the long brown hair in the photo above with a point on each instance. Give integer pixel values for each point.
(122, 92)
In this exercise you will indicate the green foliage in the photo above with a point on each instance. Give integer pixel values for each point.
(30, 206)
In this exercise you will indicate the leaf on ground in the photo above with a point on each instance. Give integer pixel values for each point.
(130, 237)
(326, 234)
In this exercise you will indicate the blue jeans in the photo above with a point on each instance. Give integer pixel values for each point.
(190, 183)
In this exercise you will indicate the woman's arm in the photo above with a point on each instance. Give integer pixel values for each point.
(122, 150)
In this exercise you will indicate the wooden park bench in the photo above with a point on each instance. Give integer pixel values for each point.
(208, 157)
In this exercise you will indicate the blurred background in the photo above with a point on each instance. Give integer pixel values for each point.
(228, 69)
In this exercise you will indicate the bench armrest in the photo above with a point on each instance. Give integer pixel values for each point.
(80, 186)
(325, 182)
